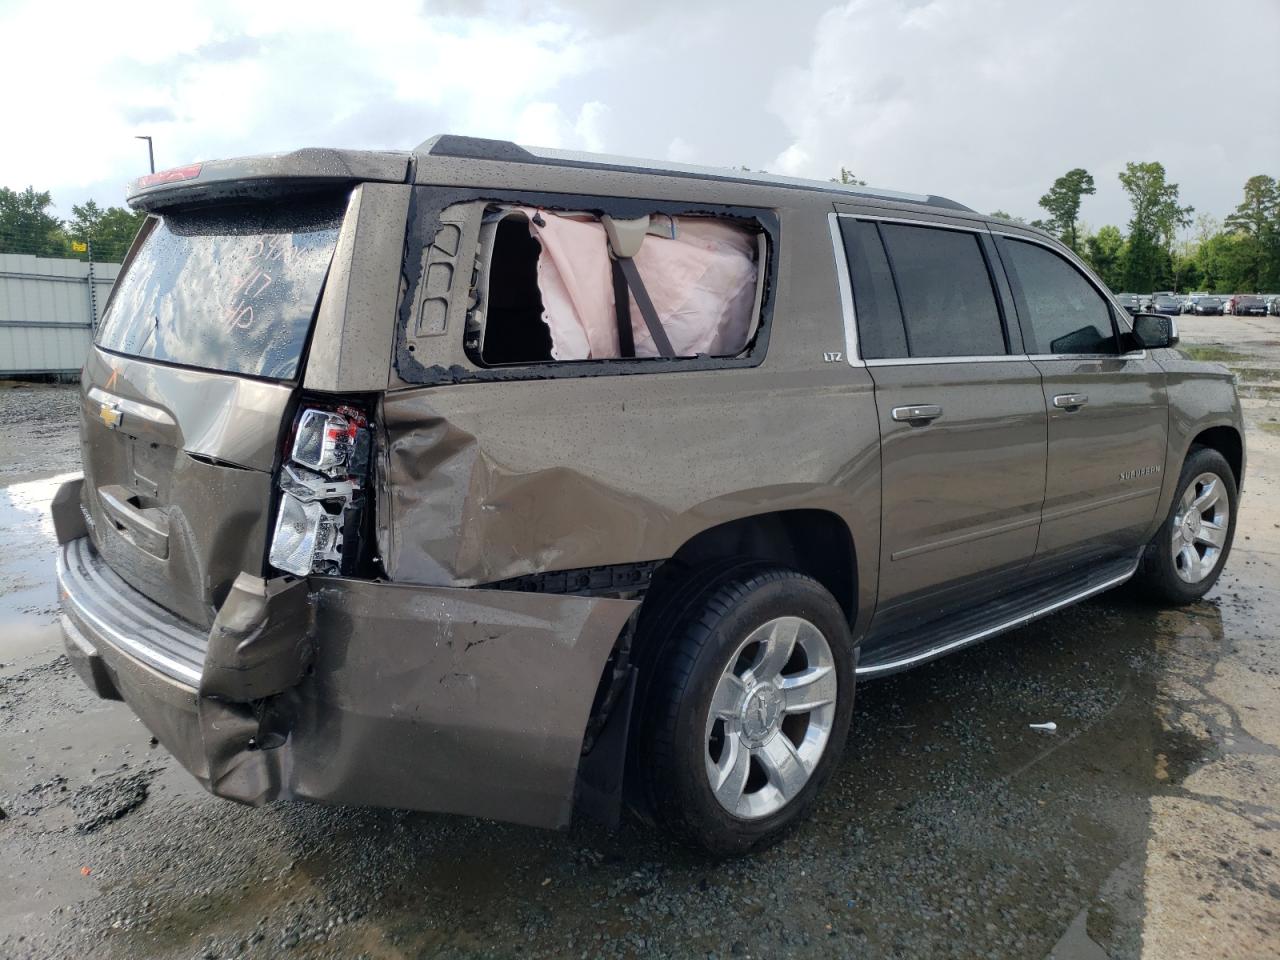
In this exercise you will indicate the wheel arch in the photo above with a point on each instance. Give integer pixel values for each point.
(814, 541)
(1228, 441)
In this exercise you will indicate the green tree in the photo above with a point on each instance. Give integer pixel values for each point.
(1157, 215)
(1257, 221)
(110, 231)
(1105, 252)
(1005, 215)
(1062, 203)
(27, 226)
(1225, 262)
(848, 179)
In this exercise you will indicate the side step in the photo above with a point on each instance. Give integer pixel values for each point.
(912, 648)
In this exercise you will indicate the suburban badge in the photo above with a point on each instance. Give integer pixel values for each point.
(1137, 472)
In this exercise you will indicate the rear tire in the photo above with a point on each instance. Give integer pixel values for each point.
(1185, 557)
(747, 707)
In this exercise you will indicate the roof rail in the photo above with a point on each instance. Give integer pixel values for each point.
(479, 148)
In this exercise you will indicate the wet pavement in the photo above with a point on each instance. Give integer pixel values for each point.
(1148, 824)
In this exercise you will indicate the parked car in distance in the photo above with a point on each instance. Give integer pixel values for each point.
(1273, 306)
(1165, 304)
(1248, 305)
(457, 480)
(1130, 302)
(1208, 307)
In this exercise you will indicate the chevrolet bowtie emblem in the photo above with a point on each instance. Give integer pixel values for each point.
(110, 414)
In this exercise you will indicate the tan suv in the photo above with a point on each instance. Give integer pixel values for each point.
(513, 483)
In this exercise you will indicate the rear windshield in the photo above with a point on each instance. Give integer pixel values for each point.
(231, 289)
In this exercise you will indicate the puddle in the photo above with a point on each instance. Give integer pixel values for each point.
(28, 601)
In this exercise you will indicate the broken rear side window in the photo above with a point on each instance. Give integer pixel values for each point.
(560, 286)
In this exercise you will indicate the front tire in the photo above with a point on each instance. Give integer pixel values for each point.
(747, 710)
(1185, 557)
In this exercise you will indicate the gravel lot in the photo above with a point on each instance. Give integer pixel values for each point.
(1147, 825)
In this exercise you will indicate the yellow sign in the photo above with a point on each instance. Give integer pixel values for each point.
(79, 246)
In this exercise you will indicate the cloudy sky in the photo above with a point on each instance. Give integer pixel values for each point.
(985, 101)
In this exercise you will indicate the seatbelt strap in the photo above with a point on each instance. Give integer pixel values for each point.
(622, 309)
(628, 267)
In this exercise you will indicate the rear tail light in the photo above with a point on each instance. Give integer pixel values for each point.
(322, 492)
(331, 443)
(308, 539)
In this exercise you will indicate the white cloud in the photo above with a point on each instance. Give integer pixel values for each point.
(679, 150)
(794, 161)
(245, 77)
(988, 101)
(590, 127)
(983, 100)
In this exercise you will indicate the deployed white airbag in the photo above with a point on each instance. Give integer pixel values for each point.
(701, 278)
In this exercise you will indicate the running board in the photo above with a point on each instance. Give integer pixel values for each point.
(937, 639)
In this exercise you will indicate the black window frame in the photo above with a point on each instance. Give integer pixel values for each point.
(1000, 294)
(428, 202)
(1024, 311)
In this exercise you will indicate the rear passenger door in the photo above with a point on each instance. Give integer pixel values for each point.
(1108, 410)
(961, 411)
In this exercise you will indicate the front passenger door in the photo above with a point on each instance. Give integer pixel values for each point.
(1108, 410)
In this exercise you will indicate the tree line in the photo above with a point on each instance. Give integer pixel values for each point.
(1239, 254)
(28, 226)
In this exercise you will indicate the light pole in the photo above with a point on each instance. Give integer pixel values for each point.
(151, 156)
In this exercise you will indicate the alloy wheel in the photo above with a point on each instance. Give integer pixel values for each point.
(1200, 528)
(770, 717)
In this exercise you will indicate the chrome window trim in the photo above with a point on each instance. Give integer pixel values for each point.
(916, 361)
(1132, 355)
(978, 228)
(850, 314)
(851, 353)
(850, 317)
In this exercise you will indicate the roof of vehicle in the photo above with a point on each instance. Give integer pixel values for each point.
(477, 148)
(244, 177)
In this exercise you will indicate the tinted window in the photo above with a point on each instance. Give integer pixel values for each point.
(231, 289)
(1064, 313)
(948, 305)
(875, 302)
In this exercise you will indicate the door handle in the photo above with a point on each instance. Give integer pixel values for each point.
(917, 414)
(1070, 401)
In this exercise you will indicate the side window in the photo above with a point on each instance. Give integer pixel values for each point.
(549, 289)
(948, 305)
(1062, 311)
(875, 303)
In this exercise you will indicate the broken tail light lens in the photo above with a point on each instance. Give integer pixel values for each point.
(322, 492)
(307, 538)
(325, 442)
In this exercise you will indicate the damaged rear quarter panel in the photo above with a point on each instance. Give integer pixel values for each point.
(527, 473)
(490, 481)
(457, 701)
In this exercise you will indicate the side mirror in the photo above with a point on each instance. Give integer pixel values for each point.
(1155, 330)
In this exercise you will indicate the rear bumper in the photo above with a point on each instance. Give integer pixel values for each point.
(430, 698)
